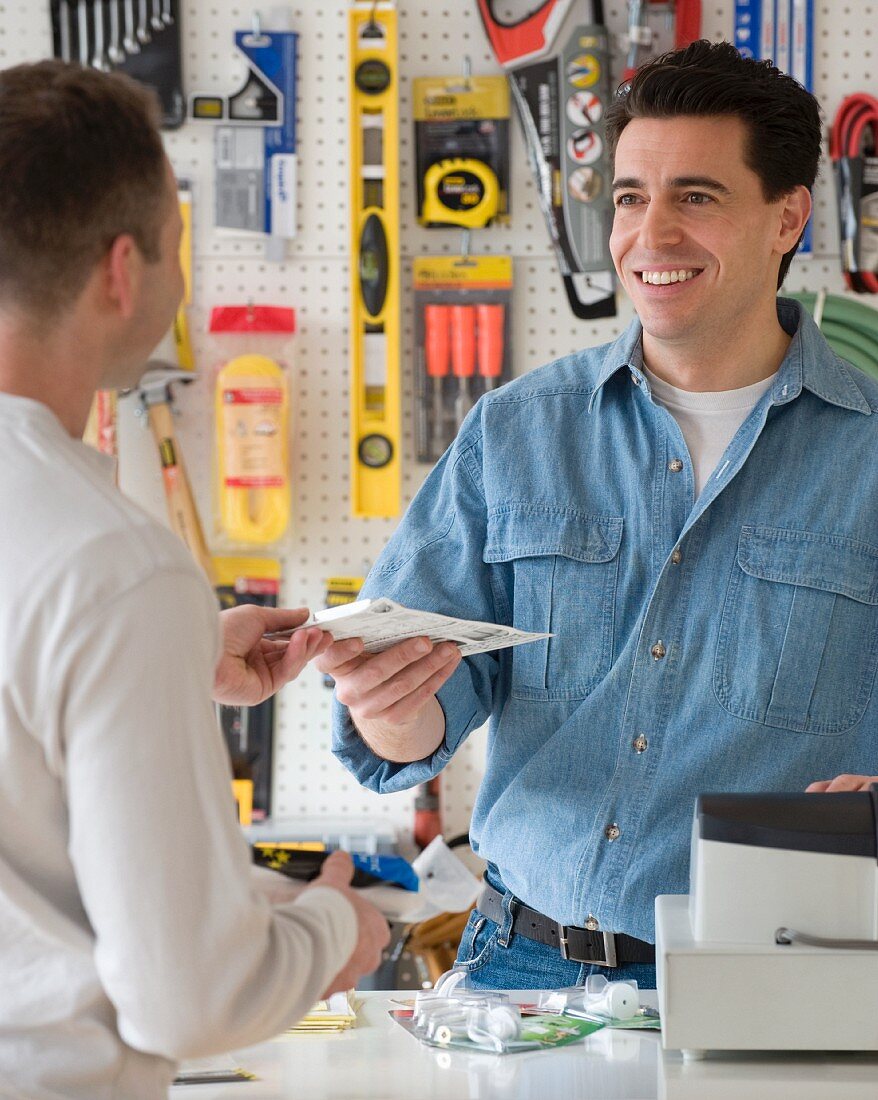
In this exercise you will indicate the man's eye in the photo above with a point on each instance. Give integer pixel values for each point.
(698, 198)
(626, 200)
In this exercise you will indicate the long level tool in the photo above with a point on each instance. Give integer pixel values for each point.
(375, 311)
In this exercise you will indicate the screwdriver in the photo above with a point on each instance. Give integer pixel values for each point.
(490, 320)
(463, 357)
(437, 348)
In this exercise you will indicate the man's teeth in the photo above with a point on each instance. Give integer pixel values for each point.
(662, 278)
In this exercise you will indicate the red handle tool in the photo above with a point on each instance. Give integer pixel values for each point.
(687, 22)
(437, 353)
(490, 320)
(527, 38)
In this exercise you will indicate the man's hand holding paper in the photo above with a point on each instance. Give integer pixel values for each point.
(392, 695)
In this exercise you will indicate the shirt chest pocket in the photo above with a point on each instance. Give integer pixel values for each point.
(798, 642)
(556, 573)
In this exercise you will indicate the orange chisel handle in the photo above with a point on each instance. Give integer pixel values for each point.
(437, 352)
(463, 357)
(463, 341)
(437, 340)
(490, 320)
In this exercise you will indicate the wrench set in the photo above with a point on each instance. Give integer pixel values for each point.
(139, 37)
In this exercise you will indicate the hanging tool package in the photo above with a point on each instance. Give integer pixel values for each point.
(137, 37)
(561, 97)
(641, 40)
(462, 150)
(462, 342)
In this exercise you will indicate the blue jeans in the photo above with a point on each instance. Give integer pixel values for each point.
(496, 958)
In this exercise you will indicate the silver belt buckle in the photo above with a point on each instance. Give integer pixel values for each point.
(609, 958)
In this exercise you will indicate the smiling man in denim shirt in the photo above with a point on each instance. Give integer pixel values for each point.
(690, 511)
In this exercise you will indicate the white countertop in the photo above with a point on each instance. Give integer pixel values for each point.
(377, 1060)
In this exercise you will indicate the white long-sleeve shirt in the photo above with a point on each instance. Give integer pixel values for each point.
(132, 931)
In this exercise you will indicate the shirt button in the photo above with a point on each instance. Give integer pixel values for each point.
(612, 832)
(675, 465)
(658, 650)
(592, 924)
(640, 744)
(677, 556)
(635, 379)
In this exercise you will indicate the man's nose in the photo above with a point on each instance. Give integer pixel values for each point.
(660, 226)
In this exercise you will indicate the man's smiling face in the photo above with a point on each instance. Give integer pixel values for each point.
(695, 243)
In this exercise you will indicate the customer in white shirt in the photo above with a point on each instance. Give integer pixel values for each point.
(133, 931)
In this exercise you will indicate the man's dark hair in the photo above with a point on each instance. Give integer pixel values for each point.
(81, 162)
(713, 79)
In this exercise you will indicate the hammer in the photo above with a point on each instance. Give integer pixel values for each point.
(156, 403)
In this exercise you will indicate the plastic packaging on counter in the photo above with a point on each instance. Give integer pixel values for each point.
(453, 1015)
(617, 1003)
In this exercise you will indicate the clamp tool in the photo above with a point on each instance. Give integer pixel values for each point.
(853, 139)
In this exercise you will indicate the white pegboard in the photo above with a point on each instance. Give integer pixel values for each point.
(324, 540)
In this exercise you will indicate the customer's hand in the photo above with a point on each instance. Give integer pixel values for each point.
(252, 667)
(373, 934)
(842, 783)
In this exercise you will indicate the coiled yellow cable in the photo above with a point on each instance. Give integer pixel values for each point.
(252, 424)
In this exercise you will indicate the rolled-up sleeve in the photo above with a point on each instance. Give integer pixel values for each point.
(435, 562)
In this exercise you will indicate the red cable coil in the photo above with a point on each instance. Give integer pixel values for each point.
(857, 114)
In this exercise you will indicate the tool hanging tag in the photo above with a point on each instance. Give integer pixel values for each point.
(255, 140)
(561, 97)
(374, 222)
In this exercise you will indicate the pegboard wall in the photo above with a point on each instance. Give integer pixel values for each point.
(323, 539)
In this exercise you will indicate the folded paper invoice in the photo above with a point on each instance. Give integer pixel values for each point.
(382, 623)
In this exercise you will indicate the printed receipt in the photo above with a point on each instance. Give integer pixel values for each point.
(381, 623)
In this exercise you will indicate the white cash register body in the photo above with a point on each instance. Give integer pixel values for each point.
(767, 870)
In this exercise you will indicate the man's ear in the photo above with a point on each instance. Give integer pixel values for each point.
(794, 214)
(121, 274)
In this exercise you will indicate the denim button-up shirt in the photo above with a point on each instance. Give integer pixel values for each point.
(718, 644)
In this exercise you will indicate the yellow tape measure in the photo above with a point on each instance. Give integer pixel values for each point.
(460, 191)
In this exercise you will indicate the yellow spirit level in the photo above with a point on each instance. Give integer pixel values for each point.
(375, 317)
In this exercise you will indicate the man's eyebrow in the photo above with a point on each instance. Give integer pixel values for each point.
(628, 181)
(706, 183)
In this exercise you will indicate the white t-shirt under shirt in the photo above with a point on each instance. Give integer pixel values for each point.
(708, 421)
(133, 929)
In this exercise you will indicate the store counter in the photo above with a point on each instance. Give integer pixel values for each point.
(377, 1060)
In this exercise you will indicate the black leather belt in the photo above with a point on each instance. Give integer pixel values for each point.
(575, 944)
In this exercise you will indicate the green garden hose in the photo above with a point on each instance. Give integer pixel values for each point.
(850, 328)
